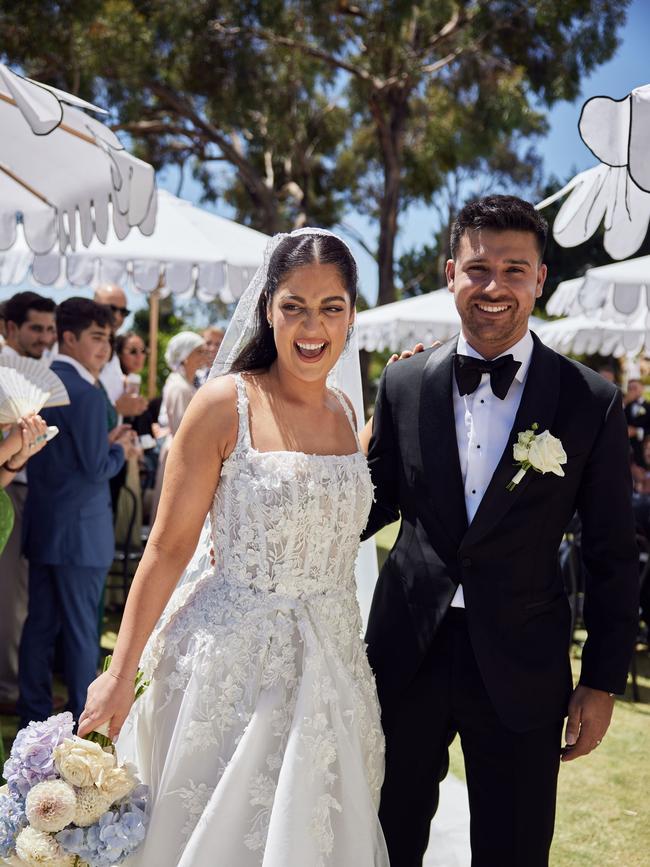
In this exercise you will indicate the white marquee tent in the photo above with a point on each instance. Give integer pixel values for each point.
(190, 251)
(402, 324)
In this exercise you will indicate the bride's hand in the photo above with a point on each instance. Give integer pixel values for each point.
(109, 699)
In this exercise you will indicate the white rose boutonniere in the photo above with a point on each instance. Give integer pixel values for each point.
(543, 452)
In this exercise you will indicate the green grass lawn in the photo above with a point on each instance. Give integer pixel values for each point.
(603, 812)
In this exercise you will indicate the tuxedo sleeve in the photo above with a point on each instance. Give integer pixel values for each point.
(383, 464)
(610, 557)
(98, 459)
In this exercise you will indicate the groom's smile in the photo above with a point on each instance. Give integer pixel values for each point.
(495, 277)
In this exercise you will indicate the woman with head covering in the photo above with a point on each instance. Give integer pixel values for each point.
(185, 355)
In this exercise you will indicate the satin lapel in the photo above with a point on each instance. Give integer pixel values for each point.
(538, 404)
(438, 442)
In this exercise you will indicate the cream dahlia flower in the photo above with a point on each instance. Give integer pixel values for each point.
(91, 804)
(50, 806)
(38, 849)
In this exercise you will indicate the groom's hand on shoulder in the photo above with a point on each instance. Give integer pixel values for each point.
(407, 353)
(590, 713)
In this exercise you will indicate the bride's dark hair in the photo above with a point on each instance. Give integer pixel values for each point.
(293, 252)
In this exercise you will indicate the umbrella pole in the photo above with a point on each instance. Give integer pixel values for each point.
(154, 314)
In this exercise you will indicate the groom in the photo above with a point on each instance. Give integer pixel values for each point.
(469, 627)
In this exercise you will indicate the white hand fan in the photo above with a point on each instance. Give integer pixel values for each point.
(26, 386)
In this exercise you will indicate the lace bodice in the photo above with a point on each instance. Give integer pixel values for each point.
(283, 523)
(288, 522)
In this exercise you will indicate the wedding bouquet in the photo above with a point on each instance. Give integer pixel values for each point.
(67, 802)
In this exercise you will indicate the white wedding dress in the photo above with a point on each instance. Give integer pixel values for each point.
(260, 734)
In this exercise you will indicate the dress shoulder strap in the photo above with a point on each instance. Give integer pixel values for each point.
(244, 432)
(345, 403)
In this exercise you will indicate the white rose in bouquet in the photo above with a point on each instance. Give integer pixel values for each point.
(38, 849)
(81, 762)
(116, 783)
(50, 806)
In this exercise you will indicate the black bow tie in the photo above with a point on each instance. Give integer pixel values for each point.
(469, 371)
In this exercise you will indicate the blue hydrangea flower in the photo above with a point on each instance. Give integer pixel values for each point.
(30, 760)
(116, 836)
(12, 822)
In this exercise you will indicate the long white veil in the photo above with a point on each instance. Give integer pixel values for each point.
(346, 376)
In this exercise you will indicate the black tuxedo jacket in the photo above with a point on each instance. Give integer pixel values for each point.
(517, 610)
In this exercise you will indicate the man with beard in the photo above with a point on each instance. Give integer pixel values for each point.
(30, 329)
(486, 447)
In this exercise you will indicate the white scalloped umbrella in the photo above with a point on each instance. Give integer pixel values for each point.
(619, 292)
(617, 191)
(191, 250)
(584, 335)
(63, 173)
(422, 318)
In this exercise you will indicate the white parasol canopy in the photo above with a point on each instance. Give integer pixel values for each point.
(63, 173)
(191, 250)
(423, 318)
(618, 292)
(617, 191)
(399, 325)
(584, 335)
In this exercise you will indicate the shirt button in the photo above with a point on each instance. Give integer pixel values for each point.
(466, 561)
(482, 401)
(473, 492)
(478, 447)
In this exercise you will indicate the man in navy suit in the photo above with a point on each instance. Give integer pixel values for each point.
(69, 538)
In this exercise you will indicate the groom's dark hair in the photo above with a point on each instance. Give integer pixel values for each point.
(501, 213)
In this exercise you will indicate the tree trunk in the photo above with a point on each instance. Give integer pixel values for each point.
(390, 131)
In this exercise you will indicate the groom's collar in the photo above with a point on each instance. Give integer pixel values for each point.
(522, 351)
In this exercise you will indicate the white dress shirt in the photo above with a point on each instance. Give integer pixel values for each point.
(112, 379)
(83, 372)
(483, 425)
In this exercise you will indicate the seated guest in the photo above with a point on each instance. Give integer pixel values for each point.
(607, 372)
(131, 354)
(213, 337)
(68, 520)
(185, 355)
(120, 402)
(637, 414)
(29, 329)
(29, 324)
(112, 379)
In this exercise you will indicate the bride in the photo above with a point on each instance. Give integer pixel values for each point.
(259, 734)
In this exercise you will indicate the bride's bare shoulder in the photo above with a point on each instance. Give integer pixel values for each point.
(212, 412)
